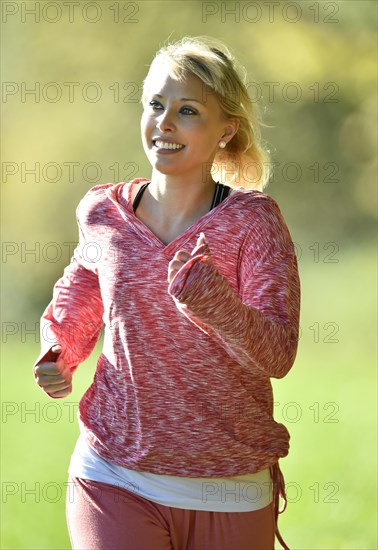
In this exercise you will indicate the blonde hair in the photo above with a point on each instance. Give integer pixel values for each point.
(245, 162)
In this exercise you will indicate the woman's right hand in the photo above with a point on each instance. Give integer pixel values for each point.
(54, 377)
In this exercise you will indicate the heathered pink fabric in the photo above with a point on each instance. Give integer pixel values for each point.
(182, 386)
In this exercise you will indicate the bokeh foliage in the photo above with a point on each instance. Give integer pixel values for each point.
(324, 143)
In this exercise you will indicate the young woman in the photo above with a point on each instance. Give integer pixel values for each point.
(197, 284)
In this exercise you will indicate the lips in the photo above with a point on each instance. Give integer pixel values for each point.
(160, 144)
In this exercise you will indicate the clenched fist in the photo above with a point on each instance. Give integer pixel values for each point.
(181, 257)
(53, 376)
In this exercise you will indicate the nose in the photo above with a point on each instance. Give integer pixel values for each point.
(165, 121)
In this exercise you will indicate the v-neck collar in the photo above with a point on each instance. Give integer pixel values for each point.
(118, 192)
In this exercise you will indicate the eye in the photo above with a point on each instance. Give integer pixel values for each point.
(188, 111)
(155, 104)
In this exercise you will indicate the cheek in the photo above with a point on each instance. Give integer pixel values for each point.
(145, 123)
(205, 138)
(144, 137)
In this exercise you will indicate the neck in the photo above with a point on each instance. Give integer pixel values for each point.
(180, 199)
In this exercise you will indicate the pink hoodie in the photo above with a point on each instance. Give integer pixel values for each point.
(182, 386)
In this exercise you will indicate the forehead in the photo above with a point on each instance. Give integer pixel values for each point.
(190, 87)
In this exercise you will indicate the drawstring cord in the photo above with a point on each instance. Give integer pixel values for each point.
(278, 490)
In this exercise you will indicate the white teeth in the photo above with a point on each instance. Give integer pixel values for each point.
(165, 145)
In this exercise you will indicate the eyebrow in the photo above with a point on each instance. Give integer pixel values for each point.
(183, 99)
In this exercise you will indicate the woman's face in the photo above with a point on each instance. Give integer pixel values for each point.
(186, 117)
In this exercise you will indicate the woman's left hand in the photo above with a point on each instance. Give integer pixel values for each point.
(181, 257)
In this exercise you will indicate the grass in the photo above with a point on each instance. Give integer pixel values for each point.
(327, 401)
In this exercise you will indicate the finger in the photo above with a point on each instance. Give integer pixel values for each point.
(52, 354)
(45, 381)
(201, 239)
(182, 256)
(51, 375)
(48, 369)
(61, 387)
(175, 264)
(202, 246)
(173, 268)
(60, 393)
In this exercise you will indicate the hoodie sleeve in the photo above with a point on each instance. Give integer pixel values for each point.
(74, 316)
(259, 327)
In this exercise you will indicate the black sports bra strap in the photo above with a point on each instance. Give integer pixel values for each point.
(225, 192)
(138, 196)
(221, 192)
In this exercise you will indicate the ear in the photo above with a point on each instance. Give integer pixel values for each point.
(232, 126)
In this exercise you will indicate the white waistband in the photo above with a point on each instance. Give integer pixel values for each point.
(243, 493)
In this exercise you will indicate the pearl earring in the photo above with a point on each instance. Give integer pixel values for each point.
(222, 144)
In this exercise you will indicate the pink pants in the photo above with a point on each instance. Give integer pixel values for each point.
(105, 517)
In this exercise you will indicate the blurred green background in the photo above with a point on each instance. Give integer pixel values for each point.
(312, 66)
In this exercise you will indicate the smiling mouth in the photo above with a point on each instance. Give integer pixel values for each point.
(164, 145)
